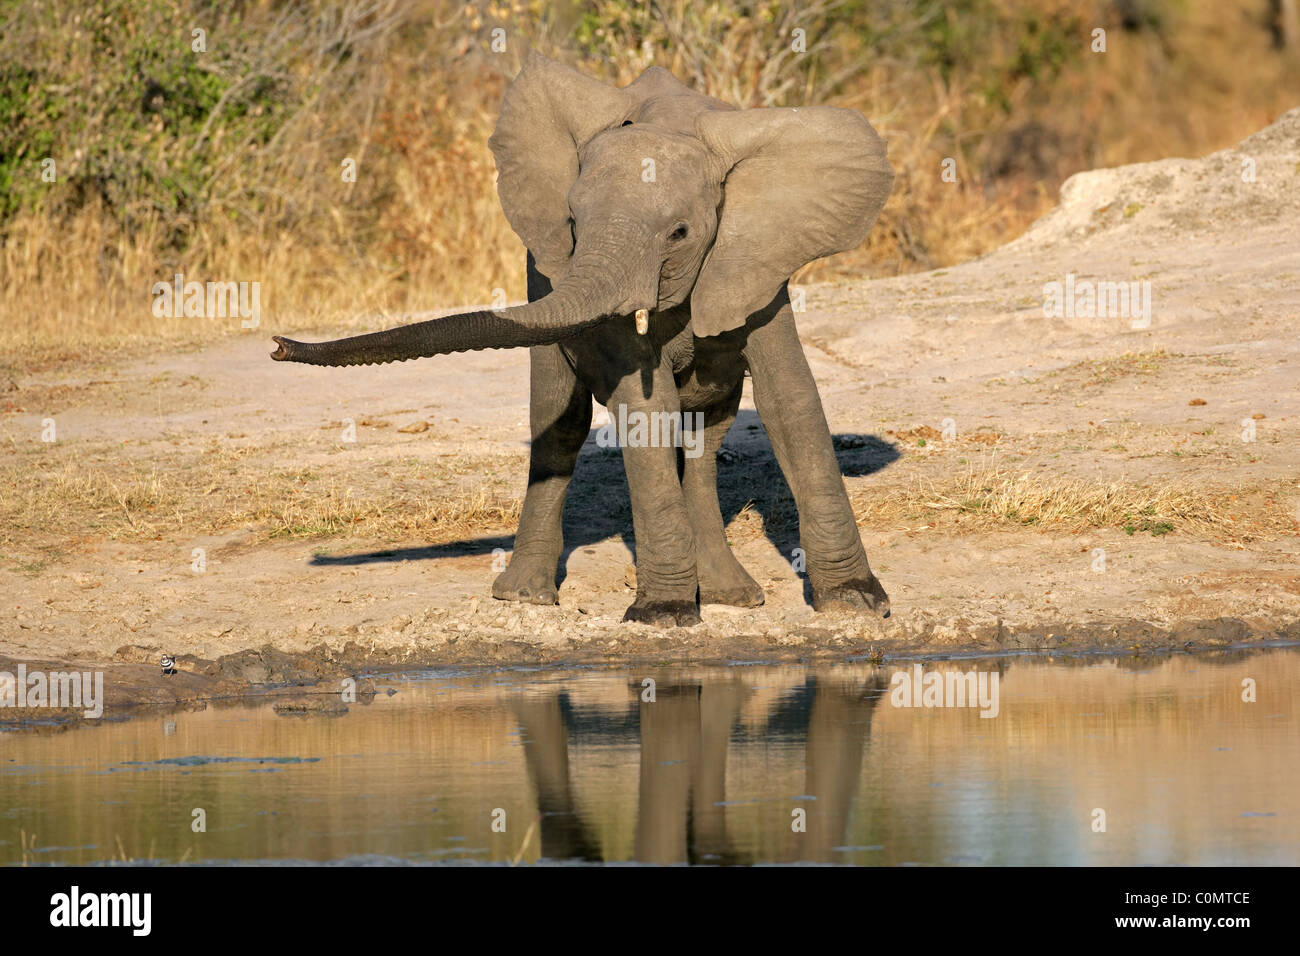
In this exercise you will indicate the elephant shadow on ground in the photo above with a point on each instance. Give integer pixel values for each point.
(749, 478)
(598, 506)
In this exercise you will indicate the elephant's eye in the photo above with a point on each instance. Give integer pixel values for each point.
(679, 233)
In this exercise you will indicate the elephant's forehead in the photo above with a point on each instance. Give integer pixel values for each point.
(632, 158)
(675, 113)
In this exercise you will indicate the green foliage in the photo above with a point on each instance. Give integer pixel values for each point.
(134, 118)
(28, 116)
(952, 37)
(995, 46)
(1157, 528)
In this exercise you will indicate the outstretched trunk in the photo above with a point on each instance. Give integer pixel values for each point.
(586, 297)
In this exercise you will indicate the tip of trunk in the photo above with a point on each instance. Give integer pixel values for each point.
(283, 348)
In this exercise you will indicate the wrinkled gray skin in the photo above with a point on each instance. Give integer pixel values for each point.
(705, 237)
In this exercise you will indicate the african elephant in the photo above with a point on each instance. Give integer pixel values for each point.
(662, 227)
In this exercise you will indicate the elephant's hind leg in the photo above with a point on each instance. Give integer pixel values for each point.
(560, 416)
(722, 578)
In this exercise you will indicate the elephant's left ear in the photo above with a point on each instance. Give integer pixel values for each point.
(800, 184)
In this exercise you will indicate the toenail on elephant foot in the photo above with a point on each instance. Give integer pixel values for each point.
(723, 580)
(526, 595)
(855, 595)
(744, 596)
(664, 613)
(526, 585)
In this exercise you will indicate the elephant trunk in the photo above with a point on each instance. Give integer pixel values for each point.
(587, 296)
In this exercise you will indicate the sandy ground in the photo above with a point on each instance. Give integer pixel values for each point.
(1048, 399)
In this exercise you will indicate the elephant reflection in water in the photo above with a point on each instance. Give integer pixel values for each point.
(685, 736)
(564, 833)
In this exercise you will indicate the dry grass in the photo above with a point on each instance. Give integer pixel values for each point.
(420, 228)
(1103, 371)
(46, 507)
(118, 498)
(995, 497)
(999, 499)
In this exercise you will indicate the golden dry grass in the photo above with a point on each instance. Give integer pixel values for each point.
(119, 498)
(1000, 499)
(995, 497)
(1103, 371)
(116, 497)
(420, 228)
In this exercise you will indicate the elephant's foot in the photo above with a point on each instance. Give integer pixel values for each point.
(857, 594)
(527, 579)
(663, 613)
(723, 580)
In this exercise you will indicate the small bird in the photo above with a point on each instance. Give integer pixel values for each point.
(168, 664)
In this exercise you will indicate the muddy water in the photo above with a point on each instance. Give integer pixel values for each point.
(740, 764)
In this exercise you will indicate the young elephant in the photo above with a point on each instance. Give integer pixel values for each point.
(662, 227)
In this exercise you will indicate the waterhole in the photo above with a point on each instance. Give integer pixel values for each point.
(1183, 759)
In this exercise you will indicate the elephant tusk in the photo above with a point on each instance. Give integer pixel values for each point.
(642, 321)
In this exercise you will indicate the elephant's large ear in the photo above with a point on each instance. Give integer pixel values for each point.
(549, 112)
(800, 184)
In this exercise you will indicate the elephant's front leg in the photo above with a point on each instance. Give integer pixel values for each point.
(787, 401)
(722, 578)
(560, 417)
(666, 583)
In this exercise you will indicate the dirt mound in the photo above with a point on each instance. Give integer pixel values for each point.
(1255, 183)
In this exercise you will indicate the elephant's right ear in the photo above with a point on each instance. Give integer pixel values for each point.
(549, 113)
